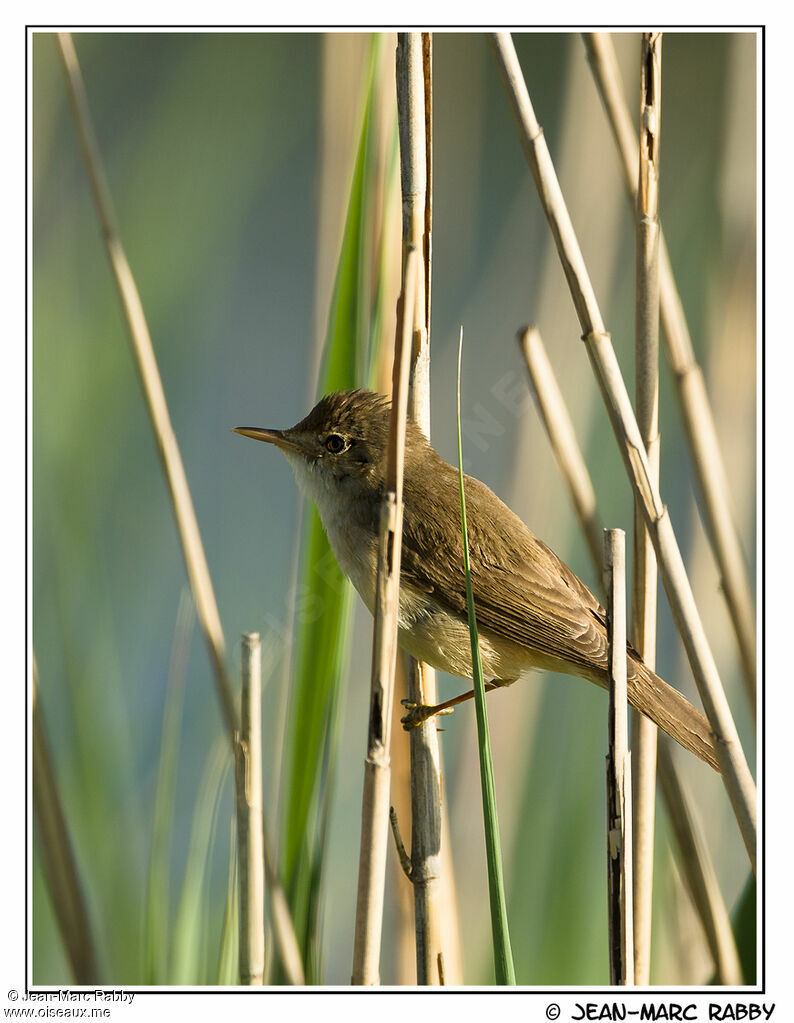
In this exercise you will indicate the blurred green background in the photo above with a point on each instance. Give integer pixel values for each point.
(229, 158)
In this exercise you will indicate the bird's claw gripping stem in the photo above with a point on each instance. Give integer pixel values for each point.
(419, 712)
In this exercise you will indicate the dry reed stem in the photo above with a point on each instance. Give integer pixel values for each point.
(403, 965)
(644, 574)
(559, 428)
(619, 845)
(248, 787)
(426, 873)
(450, 965)
(693, 854)
(735, 771)
(427, 79)
(146, 362)
(693, 399)
(377, 770)
(699, 872)
(59, 863)
(452, 971)
(184, 513)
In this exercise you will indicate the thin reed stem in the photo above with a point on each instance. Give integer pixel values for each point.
(452, 972)
(427, 80)
(377, 769)
(559, 428)
(425, 756)
(692, 851)
(735, 771)
(619, 845)
(693, 400)
(248, 786)
(154, 395)
(60, 865)
(644, 574)
(146, 362)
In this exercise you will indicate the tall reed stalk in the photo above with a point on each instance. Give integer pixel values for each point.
(377, 768)
(201, 586)
(559, 429)
(736, 774)
(693, 400)
(693, 854)
(644, 574)
(153, 393)
(248, 788)
(412, 113)
(619, 845)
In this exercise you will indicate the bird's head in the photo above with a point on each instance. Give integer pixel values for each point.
(339, 446)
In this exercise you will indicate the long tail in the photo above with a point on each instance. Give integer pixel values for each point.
(674, 714)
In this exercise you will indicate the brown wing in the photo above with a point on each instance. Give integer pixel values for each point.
(522, 590)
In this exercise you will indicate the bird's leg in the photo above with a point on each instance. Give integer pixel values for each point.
(417, 713)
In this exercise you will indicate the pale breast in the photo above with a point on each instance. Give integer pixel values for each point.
(427, 630)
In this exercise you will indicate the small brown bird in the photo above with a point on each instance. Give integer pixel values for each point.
(532, 611)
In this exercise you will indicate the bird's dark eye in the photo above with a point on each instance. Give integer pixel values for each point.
(334, 443)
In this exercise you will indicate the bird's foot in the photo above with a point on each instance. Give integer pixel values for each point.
(419, 712)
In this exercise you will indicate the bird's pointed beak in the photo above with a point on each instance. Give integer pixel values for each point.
(277, 437)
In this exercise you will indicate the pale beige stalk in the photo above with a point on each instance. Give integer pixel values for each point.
(427, 79)
(248, 787)
(644, 573)
(693, 854)
(401, 753)
(57, 854)
(426, 862)
(735, 771)
(377, 768)
(619, 845)
(146, 362)
(693, 399)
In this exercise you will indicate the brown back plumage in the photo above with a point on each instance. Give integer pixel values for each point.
(524, 592)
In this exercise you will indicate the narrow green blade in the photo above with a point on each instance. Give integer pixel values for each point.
(503, 956)
(323, 638)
